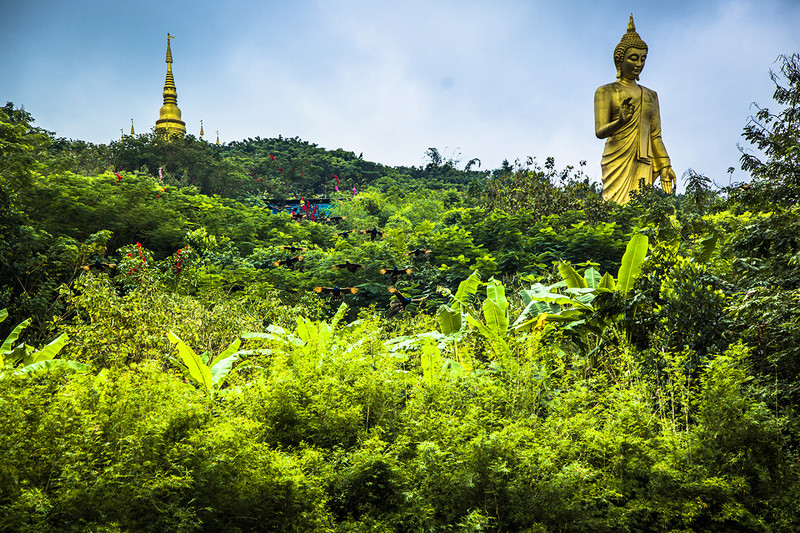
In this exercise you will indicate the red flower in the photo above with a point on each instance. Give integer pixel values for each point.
(141, 252)
(178, 261)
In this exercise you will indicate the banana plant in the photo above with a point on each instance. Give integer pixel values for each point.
(570, 302)
(23, 358)
(196, 368)
(431, 347)
(309, 337)
(494, 322)
(317, 336)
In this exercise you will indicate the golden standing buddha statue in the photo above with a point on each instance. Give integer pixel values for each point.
(626, 115)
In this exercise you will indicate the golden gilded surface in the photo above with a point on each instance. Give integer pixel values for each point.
(626, 114)
(169, 117)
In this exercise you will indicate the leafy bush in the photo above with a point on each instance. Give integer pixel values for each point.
(146, 435)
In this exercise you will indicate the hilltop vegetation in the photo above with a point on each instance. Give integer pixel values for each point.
(256, 169)
(547, 361)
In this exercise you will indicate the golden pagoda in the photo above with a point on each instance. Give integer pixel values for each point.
(169, 117)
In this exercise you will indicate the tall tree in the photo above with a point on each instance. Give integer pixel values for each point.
(777, 135)
(20, 142)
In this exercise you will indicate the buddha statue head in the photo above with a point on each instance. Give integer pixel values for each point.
(631, 39)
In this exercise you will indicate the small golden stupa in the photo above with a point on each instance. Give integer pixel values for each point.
(169, 117)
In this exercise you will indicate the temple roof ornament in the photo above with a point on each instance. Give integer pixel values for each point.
(169, 121)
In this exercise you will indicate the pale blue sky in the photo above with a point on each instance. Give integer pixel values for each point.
(488, 79)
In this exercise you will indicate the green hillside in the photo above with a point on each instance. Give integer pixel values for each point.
(437, 348)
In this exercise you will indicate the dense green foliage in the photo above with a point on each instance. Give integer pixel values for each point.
(551, 362)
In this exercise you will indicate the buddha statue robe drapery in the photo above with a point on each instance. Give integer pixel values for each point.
(636, 150)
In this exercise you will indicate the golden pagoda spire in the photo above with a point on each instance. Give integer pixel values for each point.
(201, 130)
(121, 134)
(169, 121)
(132, 132)
(217, 137)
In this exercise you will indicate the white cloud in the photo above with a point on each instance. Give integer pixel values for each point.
(495, 80)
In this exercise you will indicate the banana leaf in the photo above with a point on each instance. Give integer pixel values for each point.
(632, 261)
(449, 319)
(198, 370)
(571, 277)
